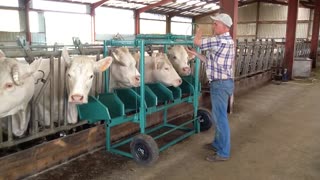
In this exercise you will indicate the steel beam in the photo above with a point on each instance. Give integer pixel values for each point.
(315, 34)
(231, 8)
(146, 8)
(136, 22)
(291, 35)
(98, 4)
(27, 10)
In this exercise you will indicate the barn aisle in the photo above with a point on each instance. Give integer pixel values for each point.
(274, 136)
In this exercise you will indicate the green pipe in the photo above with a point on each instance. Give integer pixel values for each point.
(165, 48)
(196, 92)
(123, 153)
(168, 42)
(173, 129)
(154, 129)
(180, 128)
(177, 140)
(106, 73)
(142, 112)
(121, 43)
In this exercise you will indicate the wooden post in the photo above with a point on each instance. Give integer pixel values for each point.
(315, 34)
(291, 35)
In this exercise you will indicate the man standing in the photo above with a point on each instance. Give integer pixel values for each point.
(219, 71)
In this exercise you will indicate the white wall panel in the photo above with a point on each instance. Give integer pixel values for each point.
(246, 29)
(272, 30)
(248, 13)
(272, 12)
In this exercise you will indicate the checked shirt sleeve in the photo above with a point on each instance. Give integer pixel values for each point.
(208, 43)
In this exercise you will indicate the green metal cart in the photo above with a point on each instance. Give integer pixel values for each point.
(134, 104)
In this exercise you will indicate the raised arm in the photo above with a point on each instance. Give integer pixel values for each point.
(198, 37)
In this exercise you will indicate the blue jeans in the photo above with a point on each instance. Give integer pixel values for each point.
(220, 92)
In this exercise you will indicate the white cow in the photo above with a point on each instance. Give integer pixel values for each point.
(123, 71)
(78, 81)
(159, 69)
(179, 58)
(16, 90)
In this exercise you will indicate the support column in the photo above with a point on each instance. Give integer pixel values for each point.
(168, 24)
(257, 19)
(315, 34)
(231, 7)
(136, 22)
(27, 9)
(291, 35)
(93, 24)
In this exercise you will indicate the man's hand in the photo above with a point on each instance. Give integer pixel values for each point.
(193, 52)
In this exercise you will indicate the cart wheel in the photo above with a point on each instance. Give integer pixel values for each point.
(204, 119)
(144, 149)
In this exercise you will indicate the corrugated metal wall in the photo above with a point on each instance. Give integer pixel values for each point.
(271, 22)
(273, 18)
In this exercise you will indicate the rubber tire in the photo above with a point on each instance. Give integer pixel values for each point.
(205, 119)
(145, 143)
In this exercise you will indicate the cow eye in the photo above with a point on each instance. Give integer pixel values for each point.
(69, 75)
(167, 69)
(8, 85)
(174, 57)
(91, 77)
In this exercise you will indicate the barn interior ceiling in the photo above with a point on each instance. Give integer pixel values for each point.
(187, 8)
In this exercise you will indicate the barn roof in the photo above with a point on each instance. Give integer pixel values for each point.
(187, 8)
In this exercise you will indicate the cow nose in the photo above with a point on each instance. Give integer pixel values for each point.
(186, 69)
(77, 97)
(137, 78)
(179, 81)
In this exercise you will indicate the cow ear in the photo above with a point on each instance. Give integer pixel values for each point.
(2, 55)
(65, 56)
(103, 64)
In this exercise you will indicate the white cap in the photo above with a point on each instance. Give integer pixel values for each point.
(224, 18)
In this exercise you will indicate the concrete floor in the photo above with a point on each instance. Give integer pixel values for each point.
(274, 136)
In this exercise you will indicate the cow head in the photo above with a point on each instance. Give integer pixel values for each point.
(123, 71)
(80, 73)
(179, 58)
(163, 70)
(16, 84)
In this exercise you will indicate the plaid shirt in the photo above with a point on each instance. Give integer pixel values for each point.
(220, 56)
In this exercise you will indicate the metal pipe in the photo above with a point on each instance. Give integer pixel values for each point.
(10, 134)
(142, 112)
(52, 86)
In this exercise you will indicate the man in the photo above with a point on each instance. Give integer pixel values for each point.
(219, 71)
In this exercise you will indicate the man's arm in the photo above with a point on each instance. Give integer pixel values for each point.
(198, 37)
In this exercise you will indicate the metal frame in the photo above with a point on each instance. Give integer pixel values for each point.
(145, 107)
